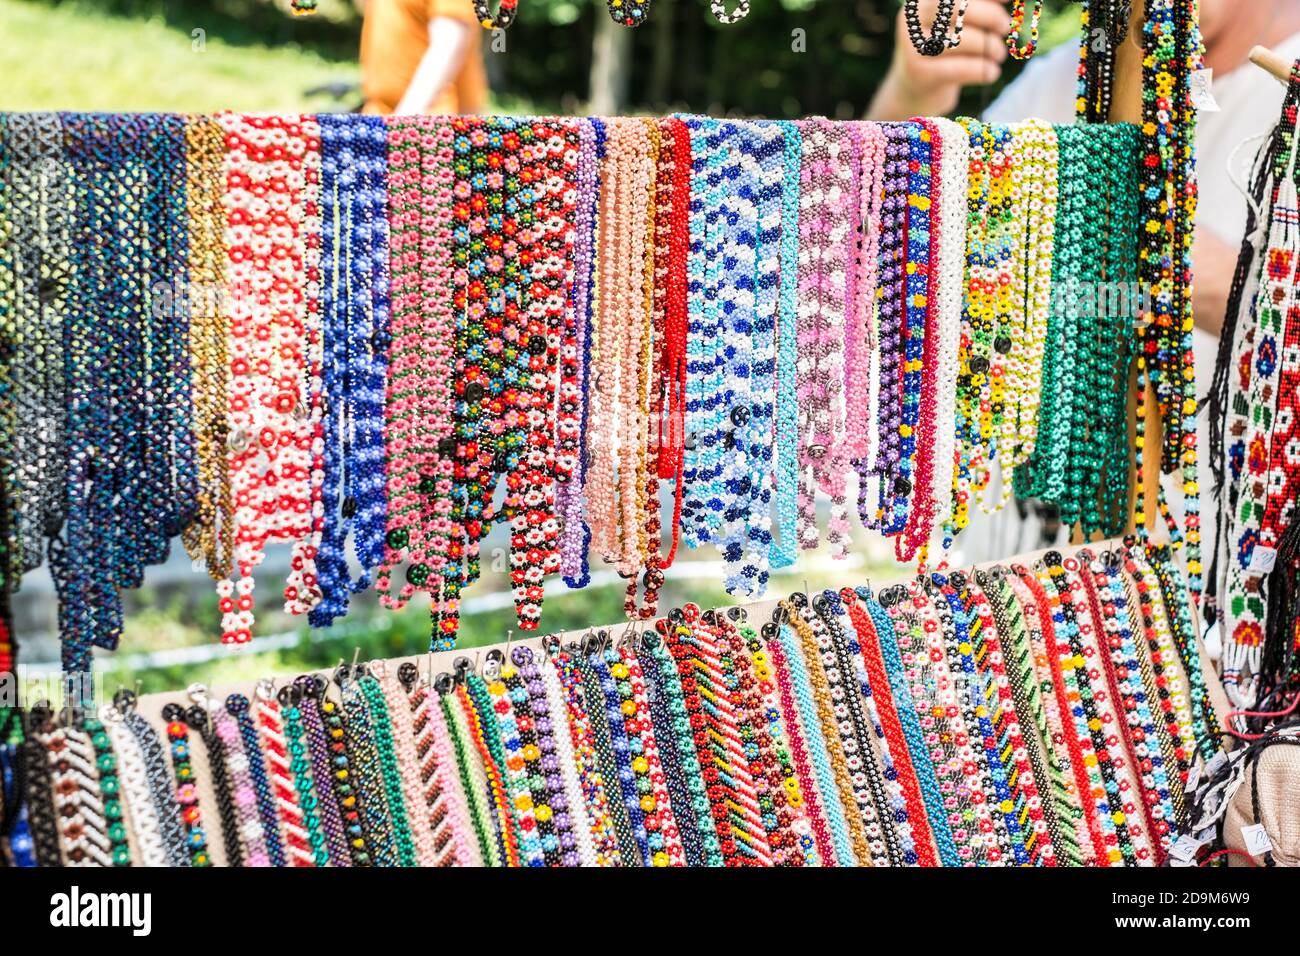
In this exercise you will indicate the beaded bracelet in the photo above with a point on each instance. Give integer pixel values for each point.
(472, 776)
(890, 825)
(1125, 678)
(485, 736)
(82, 826)
(424, 848)
(672, 734)
(137, 795)
(604, 842)
(38, 791)
(162, 792)
(518, 780)
(962, 637)
(284, 818)
(1055, 805)
(244, 812)
(683, 704)
(110, 791)
(974, 827)
(860, 812)
(369, 773)
(900, 776)
(305, 831)
(614, 739)
(330, 774)
(187, 795)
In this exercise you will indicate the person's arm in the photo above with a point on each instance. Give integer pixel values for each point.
(1214, 262)
(919, 85)
(448, 42)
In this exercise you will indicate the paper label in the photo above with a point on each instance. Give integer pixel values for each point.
(1262, 560)
(1201, 92)
(1193, 777)
(1185, 848)
(1256, 839)
(1217, 761)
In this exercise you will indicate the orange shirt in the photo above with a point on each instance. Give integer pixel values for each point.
(395, 35)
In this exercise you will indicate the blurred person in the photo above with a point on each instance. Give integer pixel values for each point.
(1249, 102)
(422, 56)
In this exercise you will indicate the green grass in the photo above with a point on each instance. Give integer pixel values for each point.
(77, 58)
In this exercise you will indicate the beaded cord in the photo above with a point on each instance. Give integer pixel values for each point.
(330, 774)
(162, 792)
(187, 797)
(1056, 807)
(136, 792)
(245, 812)
(605, 845)
(785, 647)
(904, 783)
(386, 752)
(366, 768)
(110, 790)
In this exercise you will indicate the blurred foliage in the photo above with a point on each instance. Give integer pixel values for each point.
(788, 58)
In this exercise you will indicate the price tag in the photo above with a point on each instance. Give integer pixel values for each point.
(1262, 560)
(1201, 91)
(1256, 839)
(1193, 777)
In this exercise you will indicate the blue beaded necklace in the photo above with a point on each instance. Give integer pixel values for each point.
(354, 297)
(786, 433)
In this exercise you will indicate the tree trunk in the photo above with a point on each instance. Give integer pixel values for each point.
(611, 49)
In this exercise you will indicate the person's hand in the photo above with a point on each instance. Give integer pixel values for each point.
(919, 85)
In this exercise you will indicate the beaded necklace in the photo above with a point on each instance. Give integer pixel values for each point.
(1172, 51)
(505, 15)
(209, 536)
(722, 15)
(355, 305)
(272, 170)
(274, 745)
(785, 467)
(419, 444)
